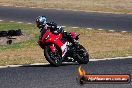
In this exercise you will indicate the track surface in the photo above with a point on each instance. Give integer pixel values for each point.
(117, 22)
(45, 76)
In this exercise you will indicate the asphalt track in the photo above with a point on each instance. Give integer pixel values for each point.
(46, 76)
(119, 22)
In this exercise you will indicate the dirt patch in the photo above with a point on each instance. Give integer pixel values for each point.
(13, 39)
(12, 36)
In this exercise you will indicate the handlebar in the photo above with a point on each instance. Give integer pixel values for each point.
(77, 37)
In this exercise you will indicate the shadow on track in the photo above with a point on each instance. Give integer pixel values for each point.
(48, 65)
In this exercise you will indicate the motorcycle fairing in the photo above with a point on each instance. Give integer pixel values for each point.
(48, 37)
(64, 48)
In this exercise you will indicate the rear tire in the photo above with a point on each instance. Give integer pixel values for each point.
(55, 60)
(81, 55)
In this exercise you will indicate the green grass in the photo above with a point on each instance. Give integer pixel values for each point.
(28, 43)
(99, 44)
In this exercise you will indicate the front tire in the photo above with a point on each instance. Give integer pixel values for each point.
(53, 58)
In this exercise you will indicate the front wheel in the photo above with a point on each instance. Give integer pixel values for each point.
(54, 58)
(81, 55)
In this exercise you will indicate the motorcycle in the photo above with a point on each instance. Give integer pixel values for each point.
(58, 49)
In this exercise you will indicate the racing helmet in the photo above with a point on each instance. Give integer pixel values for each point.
(40, 21)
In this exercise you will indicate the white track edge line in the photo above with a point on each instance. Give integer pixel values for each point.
(116, 58)
(75, 27)
(20, 22)
(71, 27)
(111, 58)
(100, 29)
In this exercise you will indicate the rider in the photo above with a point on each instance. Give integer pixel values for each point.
(43, 25)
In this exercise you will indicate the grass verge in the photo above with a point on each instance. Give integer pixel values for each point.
(83, 5)
(100, 44)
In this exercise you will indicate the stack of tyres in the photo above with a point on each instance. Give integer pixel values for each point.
(14, 32)
(3, 33)
(10, 33)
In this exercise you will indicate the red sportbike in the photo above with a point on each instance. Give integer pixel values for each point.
(58, 49)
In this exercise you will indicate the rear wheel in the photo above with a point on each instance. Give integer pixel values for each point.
(81, 55)
(54, 58)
